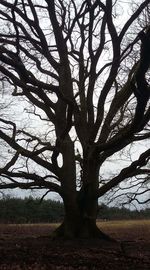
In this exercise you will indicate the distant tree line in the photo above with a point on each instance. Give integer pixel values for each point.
(31, 210)
(114, 213)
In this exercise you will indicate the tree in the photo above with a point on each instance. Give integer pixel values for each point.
(84, 80)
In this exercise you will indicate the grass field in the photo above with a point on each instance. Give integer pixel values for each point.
(29, 247)
(127, 229)
(119, 229)
(124, 223)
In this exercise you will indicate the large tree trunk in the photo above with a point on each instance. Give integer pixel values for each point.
(81, 228)
(80, 206)
(78, 225)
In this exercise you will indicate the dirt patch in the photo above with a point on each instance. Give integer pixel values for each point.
(30, 247)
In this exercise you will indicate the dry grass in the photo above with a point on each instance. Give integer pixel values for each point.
(120, 229)
(127, 229)
(124, 223)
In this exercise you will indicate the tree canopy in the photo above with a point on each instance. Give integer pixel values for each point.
(79, 70)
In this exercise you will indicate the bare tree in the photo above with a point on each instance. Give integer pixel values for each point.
(69, 63)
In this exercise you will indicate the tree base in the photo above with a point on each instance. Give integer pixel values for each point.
(85, 230)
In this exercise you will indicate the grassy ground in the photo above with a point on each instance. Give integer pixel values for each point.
(124, 223)
(126, 229)
(28, 247)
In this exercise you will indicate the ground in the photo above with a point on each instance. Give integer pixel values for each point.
(30, 247)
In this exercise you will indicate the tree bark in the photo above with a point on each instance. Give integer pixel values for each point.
(78, 226)
(80, 206)
(82, 228)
